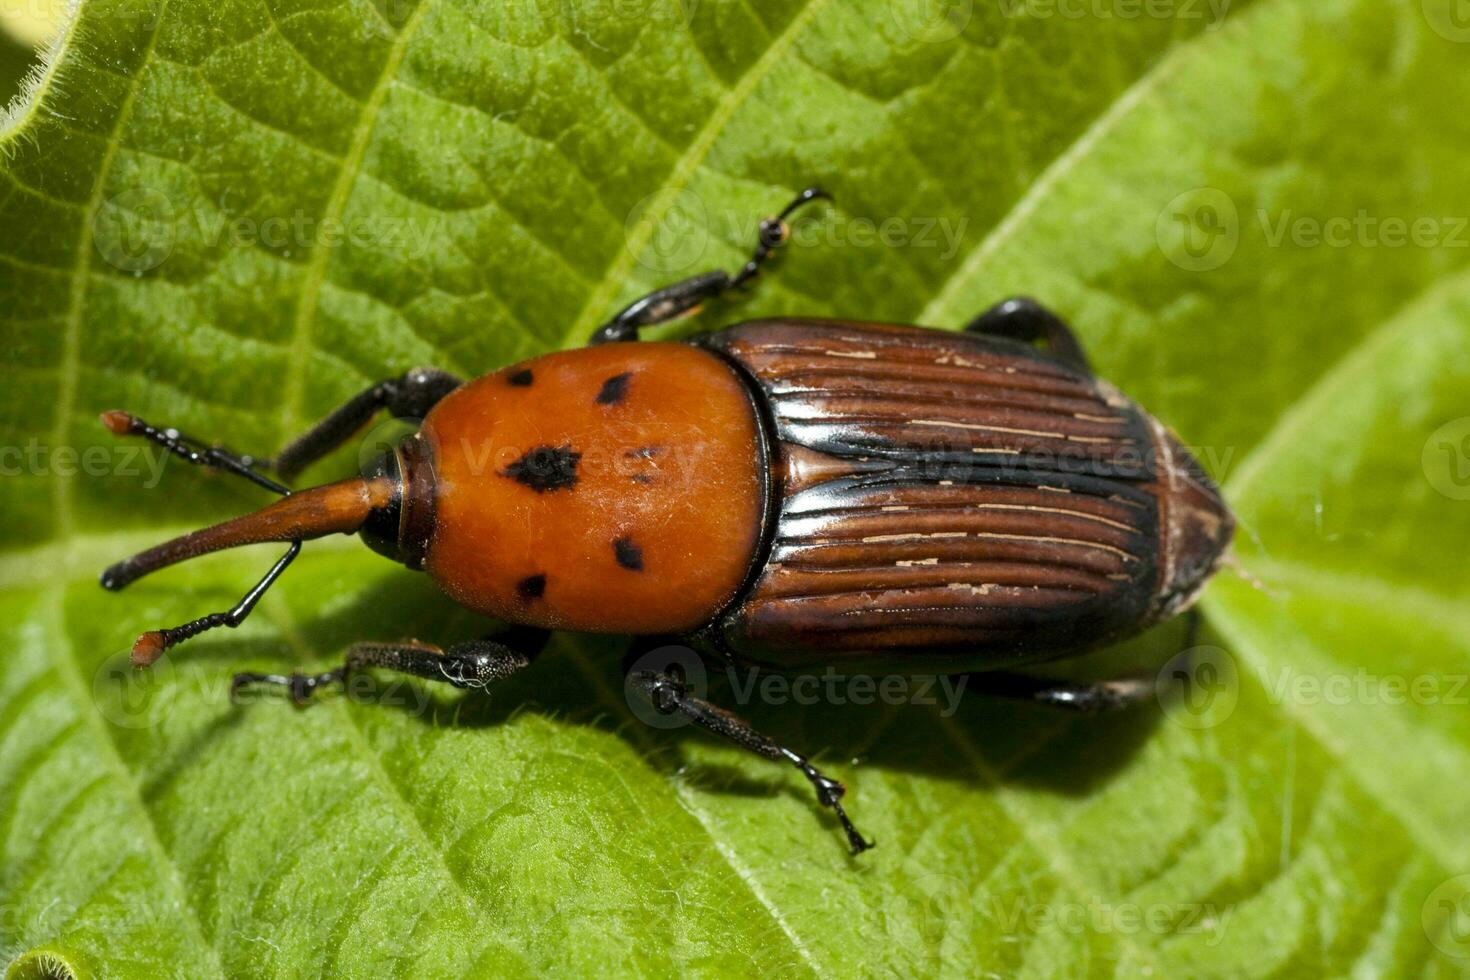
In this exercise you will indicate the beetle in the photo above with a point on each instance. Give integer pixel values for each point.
(785, 493)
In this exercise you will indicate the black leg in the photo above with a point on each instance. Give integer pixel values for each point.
(1022, 318)
(151, 645)
(668, 694)
(1114, 694)
(1087, 698)
(191, 450)
(685, 296)
(409, 396)
(476, 664)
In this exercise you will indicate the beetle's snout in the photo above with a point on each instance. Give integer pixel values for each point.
(399, 529)
(1198, 527)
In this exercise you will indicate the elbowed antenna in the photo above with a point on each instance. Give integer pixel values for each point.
(315, 513)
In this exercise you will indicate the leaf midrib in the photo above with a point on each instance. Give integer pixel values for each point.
(315, 275)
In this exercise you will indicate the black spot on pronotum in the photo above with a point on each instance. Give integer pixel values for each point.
(522, 378)
(628, 554)
(531, 587)
(614, 388)
(546, 468)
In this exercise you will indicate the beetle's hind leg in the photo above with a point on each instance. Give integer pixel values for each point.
(684, 297)
(476, 664)
(1022, 318)
(669, 695)
(1086, 697)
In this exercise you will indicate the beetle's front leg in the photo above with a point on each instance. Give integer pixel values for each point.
(669, 695)
(478, 663)
(410, 395)
(1022, 318)
(684, 297)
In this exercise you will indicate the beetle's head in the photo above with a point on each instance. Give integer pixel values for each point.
(390, 506)
(1197, 526)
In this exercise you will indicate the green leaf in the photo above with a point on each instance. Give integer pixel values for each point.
(232, 216)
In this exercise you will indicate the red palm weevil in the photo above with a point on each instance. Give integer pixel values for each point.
(786, 493)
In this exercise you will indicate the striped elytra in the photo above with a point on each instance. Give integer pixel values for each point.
(957, 501)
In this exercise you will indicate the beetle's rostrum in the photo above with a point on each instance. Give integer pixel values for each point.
(846, 494)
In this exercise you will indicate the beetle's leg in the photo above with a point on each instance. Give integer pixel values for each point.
(191, 450)
(478, 663)
(151, 645)
(1022, 318)
(1086, 697)
(668, 694)
(408, 396)
(684, 297)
